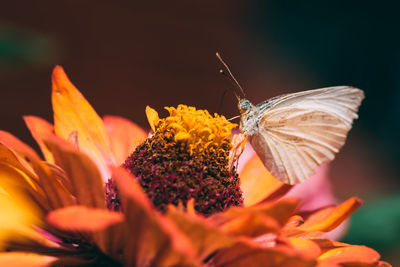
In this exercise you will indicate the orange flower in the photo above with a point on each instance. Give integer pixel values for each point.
(209, 225)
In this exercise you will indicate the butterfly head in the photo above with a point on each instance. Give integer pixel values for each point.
(244, 105)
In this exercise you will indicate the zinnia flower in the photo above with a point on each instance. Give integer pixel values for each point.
(107, 194)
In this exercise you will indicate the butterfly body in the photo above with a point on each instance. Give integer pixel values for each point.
(250, 116)
(294, 133)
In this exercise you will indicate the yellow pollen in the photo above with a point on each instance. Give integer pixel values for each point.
(198, 129)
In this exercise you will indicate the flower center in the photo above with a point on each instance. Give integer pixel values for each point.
(187, 157)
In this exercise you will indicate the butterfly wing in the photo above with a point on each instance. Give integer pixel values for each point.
(298, 132)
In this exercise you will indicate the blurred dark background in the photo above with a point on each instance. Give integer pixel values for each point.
(124, 55)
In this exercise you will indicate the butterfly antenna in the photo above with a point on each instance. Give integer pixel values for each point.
(231, 78)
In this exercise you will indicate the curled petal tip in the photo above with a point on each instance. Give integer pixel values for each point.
(58, 69)
(59, 77)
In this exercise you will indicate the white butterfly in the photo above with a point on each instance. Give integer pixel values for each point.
(294, 133)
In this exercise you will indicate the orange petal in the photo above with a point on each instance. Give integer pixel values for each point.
(349, 254)
(15, 144)
(57, 194)
(305, 247)
(22, 259)
(148, 237)
(205, 237)
(130, 189)
(328, 244)
(17, 212)
(40, 128)
(83, 219)
(40, 186)
(328, 219)
(257, 220)
(73, 139)
(88, 259)
(72, 112)
(295, 221)
(20, 148)
(8, 157)
(85, 178)
(124, 135)
(190, 207)
(13, 177)
(246, 254)
(251, 225)
(258, 184)
(59, 175)
(383, 264)
(14, 174)
(281, 211)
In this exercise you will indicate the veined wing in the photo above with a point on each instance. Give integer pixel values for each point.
(298, 132)
(342, 101)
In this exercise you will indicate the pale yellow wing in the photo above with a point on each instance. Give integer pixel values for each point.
(298, 132)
